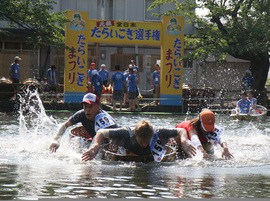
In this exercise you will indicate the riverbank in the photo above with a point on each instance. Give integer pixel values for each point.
(145, 107)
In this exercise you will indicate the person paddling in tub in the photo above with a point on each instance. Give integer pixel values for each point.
(203, 133)
(92, 118)
(143, 140)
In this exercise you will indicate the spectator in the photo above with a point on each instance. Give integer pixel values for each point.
(52, 78)
(132, 80)
(15, 70)
(104, 75)
(156, 83)
(247, 83)
(89, 77)
(118, 83)
(97, 81)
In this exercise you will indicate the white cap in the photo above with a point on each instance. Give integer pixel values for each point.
(17, 58)
(90, 98)
(103, 65)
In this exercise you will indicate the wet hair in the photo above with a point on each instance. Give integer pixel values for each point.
(196, 124)
(144, 130)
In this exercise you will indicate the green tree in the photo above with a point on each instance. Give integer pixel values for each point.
(236, 27)
(36, 18)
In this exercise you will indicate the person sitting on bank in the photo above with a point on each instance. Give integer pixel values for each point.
(244, 105)
(203, 133)
(143, 140)
(92, 118)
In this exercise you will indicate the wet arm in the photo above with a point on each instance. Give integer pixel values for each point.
(225, 152)
(185, 142)
(60, 132)
(95, 146)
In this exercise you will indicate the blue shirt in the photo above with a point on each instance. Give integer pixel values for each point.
(244, 106)
(156, 78)
(52, 75)
(247, 82)
(104, 74)
(15, 70)
(132, 84)
(118, 80)
(97, 82)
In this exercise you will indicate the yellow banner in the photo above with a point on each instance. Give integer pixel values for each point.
(76, 57)
(172, 68)
(123, 32)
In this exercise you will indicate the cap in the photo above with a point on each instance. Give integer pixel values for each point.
(17, 58)
(248, 71)
(103, 65)
(94, 72)
(90, 98)
(207, 118)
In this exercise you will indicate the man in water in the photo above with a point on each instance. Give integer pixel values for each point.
(92, 118)
(143, 140)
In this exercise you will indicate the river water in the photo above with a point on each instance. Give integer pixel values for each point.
(29, 171)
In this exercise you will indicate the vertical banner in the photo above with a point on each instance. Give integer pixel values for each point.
(76, 56)
(172, 69)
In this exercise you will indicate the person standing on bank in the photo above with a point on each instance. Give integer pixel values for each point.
(97, 83)
(104, 75)
(118, 84)
(14, 72)
(156, 83)
(52, 77)
(247, 83)
(92, 117)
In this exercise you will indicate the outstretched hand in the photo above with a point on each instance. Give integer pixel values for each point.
(54, 146)
(88, 155)
(188, 148)
(226, 154)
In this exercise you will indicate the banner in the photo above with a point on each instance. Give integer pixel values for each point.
(172, 69)
(123, 32)
(76, 56)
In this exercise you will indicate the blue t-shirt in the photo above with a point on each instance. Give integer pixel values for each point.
(15, 70)
(104, 74)
(247, 82)
(97, 82)
(52, 75)
(132, 83)
(118, 80)
(244, 106)
(156, 78)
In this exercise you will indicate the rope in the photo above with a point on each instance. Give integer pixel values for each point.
(147, 90)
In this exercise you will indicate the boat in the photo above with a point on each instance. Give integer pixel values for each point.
(7, 89)
(112, 152)
(260, 114)
(80, 139)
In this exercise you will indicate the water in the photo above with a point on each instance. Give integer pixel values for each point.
(29, 171)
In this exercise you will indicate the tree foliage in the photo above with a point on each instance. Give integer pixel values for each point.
(37, 19)
(236, 27)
